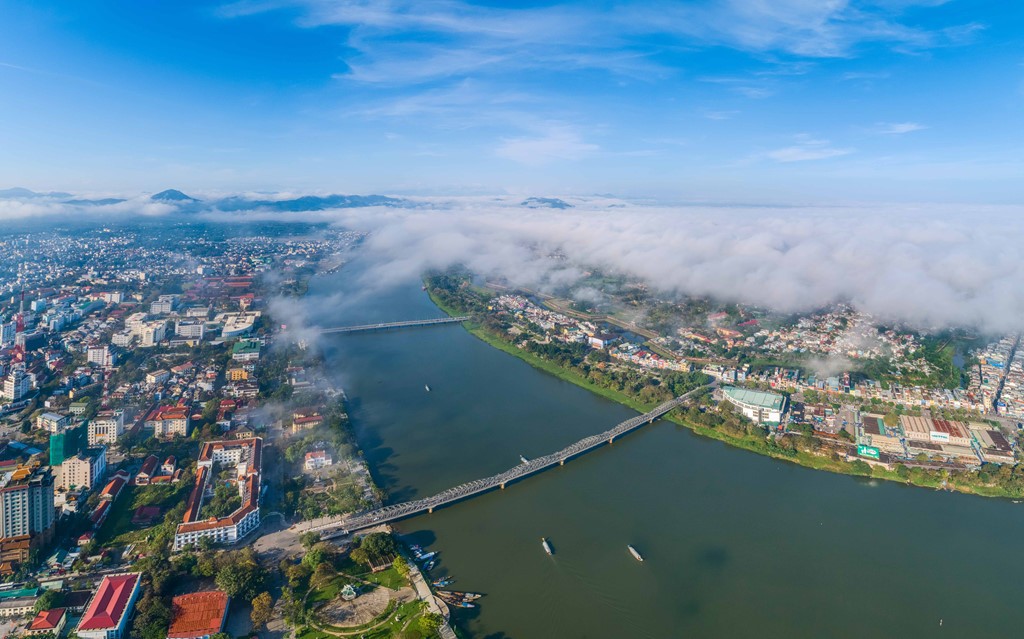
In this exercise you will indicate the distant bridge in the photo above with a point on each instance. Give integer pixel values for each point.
(335, 526)
(386, 325)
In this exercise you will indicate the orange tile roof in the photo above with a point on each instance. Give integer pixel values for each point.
(198, 614)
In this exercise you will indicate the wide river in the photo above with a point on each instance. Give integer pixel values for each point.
(736, 545)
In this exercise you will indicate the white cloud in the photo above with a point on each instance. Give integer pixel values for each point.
(899, 128)
(558, 143)
(807, 148)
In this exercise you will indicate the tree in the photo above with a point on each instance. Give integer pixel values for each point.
(262, 610)
(309, 539)
(401, 566)
(430, 623)
(49, 599)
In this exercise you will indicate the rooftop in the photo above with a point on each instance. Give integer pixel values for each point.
(47, 620)
(754, 398)
(110, 601)
(198, 614)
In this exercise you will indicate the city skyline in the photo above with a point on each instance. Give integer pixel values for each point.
(905, 100)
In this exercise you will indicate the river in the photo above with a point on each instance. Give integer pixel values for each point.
(736, 545)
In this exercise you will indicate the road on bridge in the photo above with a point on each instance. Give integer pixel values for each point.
(346, 524)
(386, 325)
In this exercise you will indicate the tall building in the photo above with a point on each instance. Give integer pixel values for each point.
(100, 355)
(17, 385)
(7, 332)
(152, 333)
(52, 422)
(163, 305)
(194, 329)
(26, 502)
(66, 443)
(84, 470)
(106, 428)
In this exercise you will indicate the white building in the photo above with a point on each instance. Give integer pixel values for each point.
(85, 470)
(194, 329)
(100, 355)
(106, 428)
(317, 459)
(152, 333)
(7, 332)
(17, 385)
(763, 408)
(52, 422)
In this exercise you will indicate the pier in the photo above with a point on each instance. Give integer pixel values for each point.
(335, 526)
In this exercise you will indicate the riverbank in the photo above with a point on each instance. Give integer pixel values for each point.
(965, 482)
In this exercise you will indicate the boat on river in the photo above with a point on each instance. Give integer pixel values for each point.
(546, 545)
(524, 459)
(636, 555)
(427, 386)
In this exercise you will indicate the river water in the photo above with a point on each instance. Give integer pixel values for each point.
(736, 545)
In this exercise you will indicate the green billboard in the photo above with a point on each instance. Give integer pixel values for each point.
(867, 451)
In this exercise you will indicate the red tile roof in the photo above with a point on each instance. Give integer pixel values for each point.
(109, 603)
(47, 619)
(198, 614)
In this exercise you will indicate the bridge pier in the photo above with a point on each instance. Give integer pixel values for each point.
(561, 462)
(503, 485)
(611, 440)
(430, 511)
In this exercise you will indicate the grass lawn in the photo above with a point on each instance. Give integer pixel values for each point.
(119, 520)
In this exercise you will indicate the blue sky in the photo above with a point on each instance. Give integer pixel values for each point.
(712, 100)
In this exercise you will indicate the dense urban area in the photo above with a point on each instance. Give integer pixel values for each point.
(156, 423)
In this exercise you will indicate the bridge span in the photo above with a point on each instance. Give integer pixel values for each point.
(336, 526)
(386, 325)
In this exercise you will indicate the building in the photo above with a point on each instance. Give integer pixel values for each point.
(85, 470)
(26, 503)
(66, 443)
(17, 385)
(163, 305)
(191, 329)
(148, 471)
(123, 338)
(236, 324)
(109, 610)
(52, 422)
(759, 407)
(875, 433)
(936, 431)
(106, 428)
(157, 377)
(17, 606)
(152, 333)
(245, 350)
(245, 455)
(198, 615)
(48, 622)
(317, 459)
(169, 421)
(100, 355)
(7, 333)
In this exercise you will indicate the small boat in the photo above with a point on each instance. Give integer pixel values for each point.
(430, 565)
(426, 386)
(636, 555)
(524, 459)
(547, 546)
(427, 556)
(441, 583)
(466, 604)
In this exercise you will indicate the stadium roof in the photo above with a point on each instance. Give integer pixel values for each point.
(755, 398)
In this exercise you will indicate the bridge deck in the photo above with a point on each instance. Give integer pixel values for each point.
(385, 325)
(347, 524)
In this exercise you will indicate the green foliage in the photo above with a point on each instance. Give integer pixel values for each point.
(262, 610)
(48, 600)
(239, 574)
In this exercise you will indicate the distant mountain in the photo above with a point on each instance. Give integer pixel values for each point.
(18, 192)
(101, 202)
(545, 203)
(172, 195)
(310, 203)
